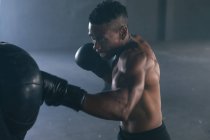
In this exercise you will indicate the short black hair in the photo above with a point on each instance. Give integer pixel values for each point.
(107, 11)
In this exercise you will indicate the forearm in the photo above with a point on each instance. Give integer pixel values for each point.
(110, 105)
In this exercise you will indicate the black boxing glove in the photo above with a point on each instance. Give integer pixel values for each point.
(87, 58)
(57, 91)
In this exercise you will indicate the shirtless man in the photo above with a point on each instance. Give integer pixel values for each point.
(134, 75)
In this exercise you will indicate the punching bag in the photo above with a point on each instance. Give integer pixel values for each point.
(20, 89)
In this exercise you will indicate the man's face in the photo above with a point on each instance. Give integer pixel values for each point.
(105, 39)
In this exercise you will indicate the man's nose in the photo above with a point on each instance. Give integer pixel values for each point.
(96, 46)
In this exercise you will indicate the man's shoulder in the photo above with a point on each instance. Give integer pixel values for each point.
(139, 57)
(132, 59)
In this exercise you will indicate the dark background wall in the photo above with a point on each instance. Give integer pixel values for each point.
(188, 20)
(61, 24)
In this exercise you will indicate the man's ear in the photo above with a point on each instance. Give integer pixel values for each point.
(123, 32)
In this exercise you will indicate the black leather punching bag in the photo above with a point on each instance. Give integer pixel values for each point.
(20, 89)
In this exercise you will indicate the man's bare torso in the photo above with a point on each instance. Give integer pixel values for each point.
(146, 114)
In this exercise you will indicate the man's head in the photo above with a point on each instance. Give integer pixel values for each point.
(108, 26)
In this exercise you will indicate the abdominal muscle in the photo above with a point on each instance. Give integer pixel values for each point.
(145, 116)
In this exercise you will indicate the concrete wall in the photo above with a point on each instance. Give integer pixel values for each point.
(44, 24)
(143, 18)
(61, 24)
(188, 20)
